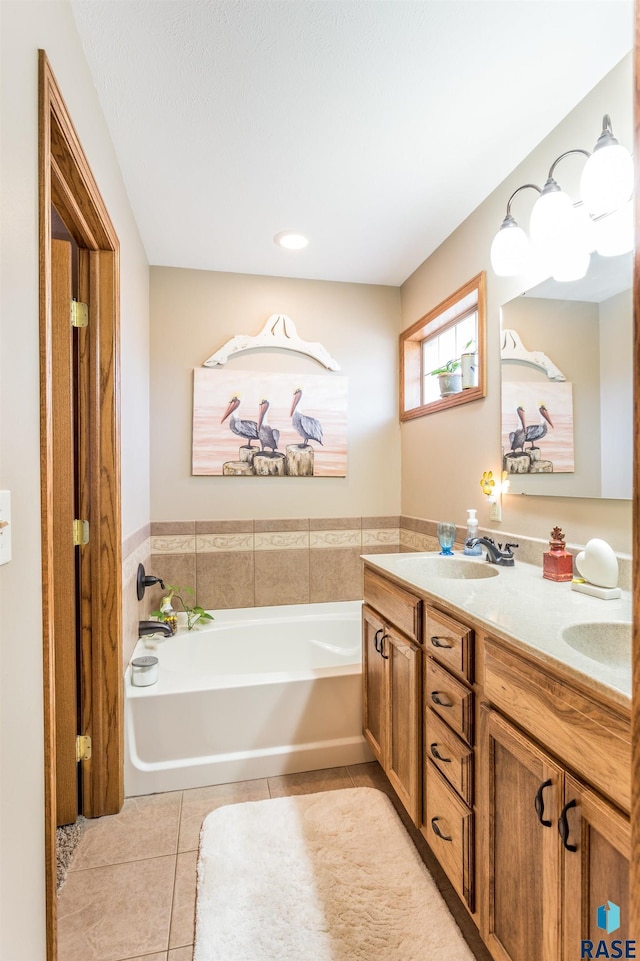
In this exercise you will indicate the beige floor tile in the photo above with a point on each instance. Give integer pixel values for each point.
(152, 957)
(116, 911)
(198, 802)
(308, 782)
(184, 901)
(181, 954)
(147, 827)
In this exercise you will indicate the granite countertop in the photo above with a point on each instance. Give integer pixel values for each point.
(522, 607)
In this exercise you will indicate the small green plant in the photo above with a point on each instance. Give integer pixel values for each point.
(195, 613)
(450, 367)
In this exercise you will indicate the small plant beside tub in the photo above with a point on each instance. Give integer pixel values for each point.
(195, 614)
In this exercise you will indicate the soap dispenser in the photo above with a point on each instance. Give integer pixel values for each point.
(472, 531)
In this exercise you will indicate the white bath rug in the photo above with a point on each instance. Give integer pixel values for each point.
(318, 877)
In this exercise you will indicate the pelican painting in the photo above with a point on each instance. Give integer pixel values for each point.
(268, 436)
(308, 427)
(294, 420)
(536, 432)
(537, 425)
(241, 428)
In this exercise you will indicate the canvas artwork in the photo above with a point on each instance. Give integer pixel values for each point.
(247, 423)
(537, 427)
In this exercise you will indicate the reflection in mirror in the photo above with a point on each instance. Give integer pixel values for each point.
(567, 366)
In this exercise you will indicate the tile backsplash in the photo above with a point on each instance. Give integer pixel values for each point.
(256, 563)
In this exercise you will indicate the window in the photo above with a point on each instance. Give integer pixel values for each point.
(442, 356)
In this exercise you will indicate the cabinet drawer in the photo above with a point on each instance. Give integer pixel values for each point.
(452, 757)
(402, 609)
(449, 698)
(447, 825)
(449, 642)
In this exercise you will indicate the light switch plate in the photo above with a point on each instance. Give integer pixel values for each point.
(5, 528)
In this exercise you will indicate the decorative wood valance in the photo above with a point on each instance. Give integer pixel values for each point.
(279, 331)
(513, 351)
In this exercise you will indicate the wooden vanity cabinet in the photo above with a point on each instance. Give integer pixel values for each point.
(392, 687)
(552, 850)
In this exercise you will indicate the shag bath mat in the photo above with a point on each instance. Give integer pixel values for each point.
(318, 877)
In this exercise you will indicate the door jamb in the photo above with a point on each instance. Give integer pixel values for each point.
(65, 179)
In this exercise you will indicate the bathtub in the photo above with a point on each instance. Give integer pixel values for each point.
(256, 693)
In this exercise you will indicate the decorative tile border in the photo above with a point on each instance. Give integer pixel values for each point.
(330, 538)
(179, 544)
(281, 541)
(212, 543)
(380, 537)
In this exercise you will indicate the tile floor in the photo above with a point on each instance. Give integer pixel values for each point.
(130, 892)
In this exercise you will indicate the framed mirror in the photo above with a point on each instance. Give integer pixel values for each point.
(567, 384)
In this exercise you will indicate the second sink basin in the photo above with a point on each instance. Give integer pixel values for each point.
(607, 642)
(452, 568)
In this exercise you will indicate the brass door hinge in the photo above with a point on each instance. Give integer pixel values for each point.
(79, 314)
(80, 533)
(83, 747)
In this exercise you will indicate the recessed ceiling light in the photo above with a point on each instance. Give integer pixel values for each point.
(290, 239)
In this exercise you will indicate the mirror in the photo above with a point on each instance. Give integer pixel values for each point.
(567, 384)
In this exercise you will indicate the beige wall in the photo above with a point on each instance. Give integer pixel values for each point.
(25, 28)
(616, 393)
(445, 454)
(195, 312)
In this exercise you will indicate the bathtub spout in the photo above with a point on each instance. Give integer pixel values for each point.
(145, 628)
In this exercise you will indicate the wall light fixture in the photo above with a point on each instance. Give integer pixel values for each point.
(563, 234)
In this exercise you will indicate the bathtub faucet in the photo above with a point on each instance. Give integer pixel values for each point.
(145, 628)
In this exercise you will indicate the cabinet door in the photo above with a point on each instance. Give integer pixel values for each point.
(521, 847)
(596, 872)
(374, 688)
(404, 720)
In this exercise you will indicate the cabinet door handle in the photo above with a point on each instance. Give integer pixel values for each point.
(382, 640)
(436, 830)
(435, 697)
(563, 826)
(434, 750)
(539, 803)
(437, 642)
(376, 638)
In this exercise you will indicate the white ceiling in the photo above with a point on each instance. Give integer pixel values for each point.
(375, 127)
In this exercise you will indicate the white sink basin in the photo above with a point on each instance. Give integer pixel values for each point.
(607, 642)
(451, 568)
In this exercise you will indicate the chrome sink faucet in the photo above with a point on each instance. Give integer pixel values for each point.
(495, 554)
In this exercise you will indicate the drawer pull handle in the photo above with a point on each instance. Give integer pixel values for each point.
(437, 642)
(539, 803)
(563, 826)
(382, 640)
(435, 697)
(376, 638)
(439, 757)
(436, 830)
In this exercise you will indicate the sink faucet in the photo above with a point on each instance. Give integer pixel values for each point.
(145, 628)
(495, 554)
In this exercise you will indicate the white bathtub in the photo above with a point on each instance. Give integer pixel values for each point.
(257, 693)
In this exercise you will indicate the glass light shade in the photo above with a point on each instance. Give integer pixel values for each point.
(607, 179)
(615, 232)
(291, 240)
(572, 264)
(552, 217)
(510, 251)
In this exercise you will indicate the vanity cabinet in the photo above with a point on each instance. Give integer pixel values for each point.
(552, 850)
(517, 774)
(392, 686)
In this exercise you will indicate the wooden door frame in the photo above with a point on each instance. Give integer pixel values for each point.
(66, 180)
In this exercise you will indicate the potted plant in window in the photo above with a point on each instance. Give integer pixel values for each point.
(449, 377)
